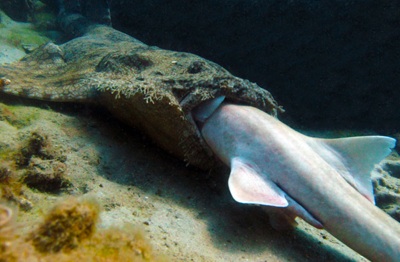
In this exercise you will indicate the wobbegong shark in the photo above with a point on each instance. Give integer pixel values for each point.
(324, 181)
(198, 111)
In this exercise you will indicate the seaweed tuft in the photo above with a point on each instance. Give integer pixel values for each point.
(68, 233)
(36, 145)
(66, 226)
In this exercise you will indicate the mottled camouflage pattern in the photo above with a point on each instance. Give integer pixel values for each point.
(147, 87)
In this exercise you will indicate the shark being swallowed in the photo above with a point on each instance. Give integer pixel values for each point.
(324, 181)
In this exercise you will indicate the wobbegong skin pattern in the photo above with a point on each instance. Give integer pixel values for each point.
(151, 89)
(324, 181)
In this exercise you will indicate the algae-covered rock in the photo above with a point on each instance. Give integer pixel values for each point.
(37, 144)
(387, 186)
(68, 233)
(47, 175)
(14, 36)
(28, 157)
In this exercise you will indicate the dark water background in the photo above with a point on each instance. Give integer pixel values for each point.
(330, 64)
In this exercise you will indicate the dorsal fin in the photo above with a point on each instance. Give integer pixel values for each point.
(248, 186)
(358, 155)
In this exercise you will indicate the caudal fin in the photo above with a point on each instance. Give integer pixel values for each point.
(359, 155)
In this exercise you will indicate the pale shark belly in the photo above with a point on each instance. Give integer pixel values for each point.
(271, 164)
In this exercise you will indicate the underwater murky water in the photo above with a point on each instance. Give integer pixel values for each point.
(76, 183)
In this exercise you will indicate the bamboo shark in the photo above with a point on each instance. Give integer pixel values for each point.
(324, 181)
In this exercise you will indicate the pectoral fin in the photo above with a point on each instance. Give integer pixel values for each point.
(249, 186)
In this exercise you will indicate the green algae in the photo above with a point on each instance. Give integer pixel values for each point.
(6, 153)
(18, 116)
(18, 34)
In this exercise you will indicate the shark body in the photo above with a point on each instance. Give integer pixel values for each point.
(324, 181)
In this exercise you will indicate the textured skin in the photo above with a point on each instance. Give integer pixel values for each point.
(146, 87)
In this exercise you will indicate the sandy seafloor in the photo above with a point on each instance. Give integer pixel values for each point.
(187, 214)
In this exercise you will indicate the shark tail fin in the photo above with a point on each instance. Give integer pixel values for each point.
(359, 156)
